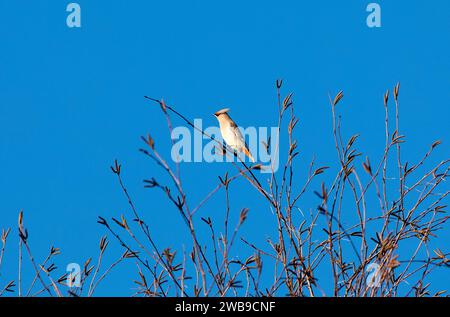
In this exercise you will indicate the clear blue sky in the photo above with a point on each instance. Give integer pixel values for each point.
(71, 101)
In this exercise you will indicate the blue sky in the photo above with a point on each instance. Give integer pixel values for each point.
(71, 101)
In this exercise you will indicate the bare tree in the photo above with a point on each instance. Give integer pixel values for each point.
(363, 258)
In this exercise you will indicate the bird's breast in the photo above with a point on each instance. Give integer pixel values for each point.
(231, 136)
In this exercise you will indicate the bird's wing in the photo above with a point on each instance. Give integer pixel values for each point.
(233, 137)
(242, 145)
(238, 139)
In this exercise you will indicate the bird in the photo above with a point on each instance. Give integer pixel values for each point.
(231, 133)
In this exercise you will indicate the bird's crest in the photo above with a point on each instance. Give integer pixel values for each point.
(222, 111)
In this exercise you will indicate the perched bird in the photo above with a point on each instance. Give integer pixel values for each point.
(231, 133)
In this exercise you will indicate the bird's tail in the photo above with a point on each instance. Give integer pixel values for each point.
(247, 152)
